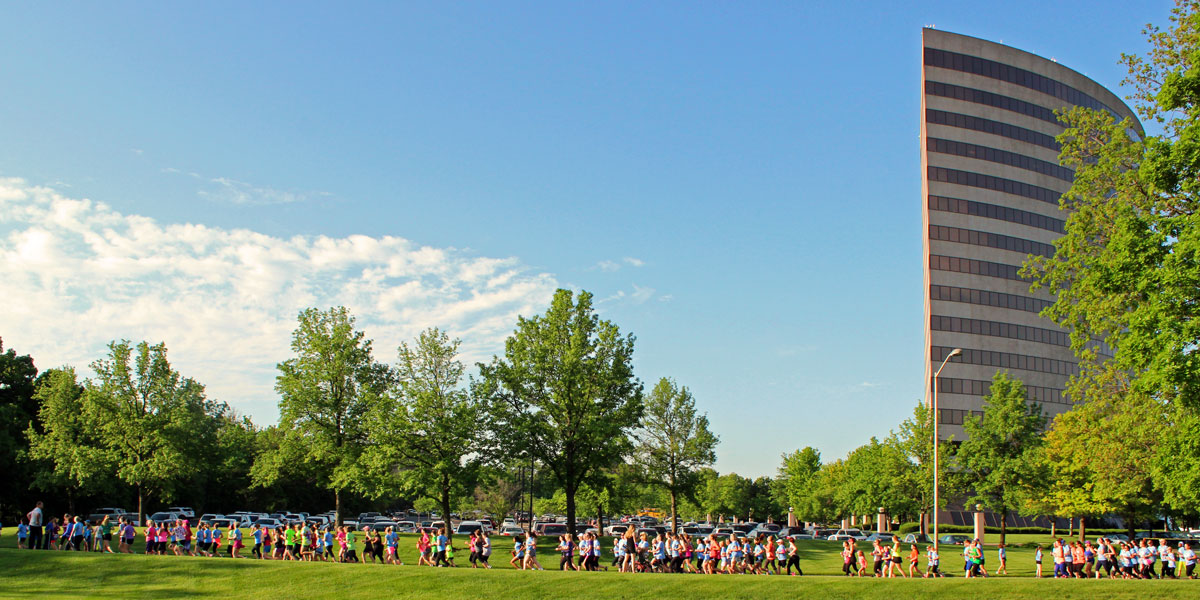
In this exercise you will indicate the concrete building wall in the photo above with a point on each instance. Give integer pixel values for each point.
(990, 187)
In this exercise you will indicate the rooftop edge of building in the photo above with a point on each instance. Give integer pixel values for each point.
(1016, 57)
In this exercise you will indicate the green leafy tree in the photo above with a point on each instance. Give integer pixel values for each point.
(674, 442)
(914, 440)
(1000, 455)
(326, 392)
(427, 428)
(18, 409)
(565, 393)
(795, 482)
(870, 477)
(145, 413)
(1100, 453)
(69, 445)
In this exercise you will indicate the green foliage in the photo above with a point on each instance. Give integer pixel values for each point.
(326, 392)
(17, 411)
(1000, 455)
(795, 482)
(565, 393)
(146, 418)
(76, 456)
(674, 442)
(1098, 454)
(425, 431)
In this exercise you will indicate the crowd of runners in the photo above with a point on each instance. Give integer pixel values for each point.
(631, 553)
(1079, 560)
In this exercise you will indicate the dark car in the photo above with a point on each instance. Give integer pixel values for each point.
(954, 538)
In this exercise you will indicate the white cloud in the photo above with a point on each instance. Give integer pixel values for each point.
(77, 274)
(608, 266)
(634, 262)
(641, 294)
(224, 189)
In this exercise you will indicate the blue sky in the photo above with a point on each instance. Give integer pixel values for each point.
(737, 183)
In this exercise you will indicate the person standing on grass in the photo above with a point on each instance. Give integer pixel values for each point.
(22, 533)
(35, 518)
(1002, 553)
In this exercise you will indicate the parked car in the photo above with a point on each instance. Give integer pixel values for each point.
(224, 523)
(380, 525)
(953, 539)
(112, 513)
(765, 529)
(916, 538)
(468, 527)
(723, 531)
(406, 527)
(164, 517)
(187, 511)
(848, 534)
(268, 522)
(552, 529)
(208, 517)
(511, 530)
(880, 537)
(798, 533)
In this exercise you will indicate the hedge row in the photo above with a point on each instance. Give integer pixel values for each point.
(911, 527)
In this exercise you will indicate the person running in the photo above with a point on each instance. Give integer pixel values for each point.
(934, 561)
(1002, 553)
(1037, 561)
(351, 553)
(22, 533)
(914, 560)
(518, 553)
(1188, 556)
(847, 558)
(289, 540)
(423, 550)
(531, 559)
(877, 558)
(392, 539)
(442, 542)
(793, 557)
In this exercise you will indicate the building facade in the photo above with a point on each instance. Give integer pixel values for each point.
(991, 185)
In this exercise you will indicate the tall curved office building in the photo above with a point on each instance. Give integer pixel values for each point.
(991, 187)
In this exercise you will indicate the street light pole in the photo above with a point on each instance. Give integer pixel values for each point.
(954, 352)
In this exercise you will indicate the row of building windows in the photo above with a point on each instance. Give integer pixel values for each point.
(954, 416)
(995, 211)
(1003, 157)
(990, 240)
(1006, 360)
(1029, 136)
(976, 387)
(995, 70)
(998, 329)
(974, 96)
(974, 267)
(988, 182)
(987, 298)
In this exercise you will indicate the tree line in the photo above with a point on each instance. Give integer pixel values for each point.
(355, 431)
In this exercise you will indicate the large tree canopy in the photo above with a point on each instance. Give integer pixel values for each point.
(565, 393)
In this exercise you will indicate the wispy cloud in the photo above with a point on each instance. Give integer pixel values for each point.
(641, 294)
(612, 266)
(224, 189)
(77, 274)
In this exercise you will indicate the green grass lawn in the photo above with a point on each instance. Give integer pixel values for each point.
(78, 574)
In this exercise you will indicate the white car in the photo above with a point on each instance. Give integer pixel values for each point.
(848, 534)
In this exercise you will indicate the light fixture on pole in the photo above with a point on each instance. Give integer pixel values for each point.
(953, 353)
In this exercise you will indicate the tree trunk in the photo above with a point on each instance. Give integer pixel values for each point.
(1082, 529)
(924, 523)
(446, 506)
(570, 490)
(140, 522)
(1070, 526)
(1003, 525)
(337, 508)
(674, 513)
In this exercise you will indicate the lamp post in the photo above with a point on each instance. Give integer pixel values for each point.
(954, 352)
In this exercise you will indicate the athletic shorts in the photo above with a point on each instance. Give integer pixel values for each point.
(108, 537)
